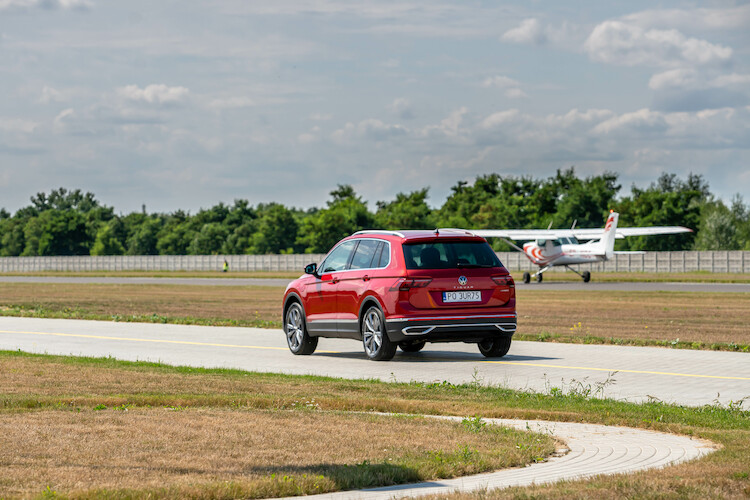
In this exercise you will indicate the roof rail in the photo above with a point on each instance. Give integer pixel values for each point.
(379, 231)
(453, 229)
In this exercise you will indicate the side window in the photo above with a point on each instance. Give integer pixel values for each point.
(385, 256)
(338, 258)
(364, 254)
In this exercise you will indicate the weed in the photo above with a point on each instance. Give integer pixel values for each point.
(473, 424)
(100, 406)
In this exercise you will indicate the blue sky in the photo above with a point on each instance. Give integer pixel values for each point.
(183, 104)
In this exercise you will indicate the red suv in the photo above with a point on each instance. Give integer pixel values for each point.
(403, 289)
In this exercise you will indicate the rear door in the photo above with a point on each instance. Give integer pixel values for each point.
(355, 282)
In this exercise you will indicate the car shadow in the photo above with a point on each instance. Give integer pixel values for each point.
(428, 356)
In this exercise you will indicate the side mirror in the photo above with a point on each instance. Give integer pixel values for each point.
(312, 269)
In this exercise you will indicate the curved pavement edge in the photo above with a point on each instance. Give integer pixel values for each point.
(592, 450)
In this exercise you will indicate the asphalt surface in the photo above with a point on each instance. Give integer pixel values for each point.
(549, 285)
(635, 373)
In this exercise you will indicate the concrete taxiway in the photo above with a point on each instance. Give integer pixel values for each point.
(627, 373)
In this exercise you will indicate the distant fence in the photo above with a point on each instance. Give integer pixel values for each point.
(663, 262)
(650, 262)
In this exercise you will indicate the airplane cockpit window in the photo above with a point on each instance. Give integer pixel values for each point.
(573, 240)
(541, 243)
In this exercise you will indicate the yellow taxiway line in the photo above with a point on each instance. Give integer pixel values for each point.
(156, 341)
(618, 370)
(237, 346)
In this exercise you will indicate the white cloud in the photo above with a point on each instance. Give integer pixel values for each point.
(448, 127)
(371, 129)
(231, 102)
(309, 137)
(638, 122)
(402, 108)
(511, 87)
(44, 4)
(530, 31)
(693, 19)
(154, 93)
(616, 42)
(690, 79)
(11, 125)
(50, 94)
(59, 124)
(500, 118)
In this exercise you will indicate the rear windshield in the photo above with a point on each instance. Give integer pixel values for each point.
(449, 254)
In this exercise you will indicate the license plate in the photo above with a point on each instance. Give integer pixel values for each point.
(473, 296)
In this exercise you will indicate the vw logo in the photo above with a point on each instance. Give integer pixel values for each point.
(462, 280)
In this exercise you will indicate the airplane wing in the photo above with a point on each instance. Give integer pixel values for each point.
(580, 234)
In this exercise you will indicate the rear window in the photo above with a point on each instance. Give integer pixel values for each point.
(449, 254)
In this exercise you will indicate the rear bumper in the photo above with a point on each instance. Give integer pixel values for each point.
(451, 328)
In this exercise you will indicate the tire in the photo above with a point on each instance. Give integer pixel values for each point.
(586, 276)
(539, 277)
(297, 338)
(495, 348)
(411, 347)
(378, 347)
(526, 277)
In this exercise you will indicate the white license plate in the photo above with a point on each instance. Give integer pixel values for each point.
(474, 296)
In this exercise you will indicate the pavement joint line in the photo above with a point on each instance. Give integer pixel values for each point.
(158, 341)
(518, 363)
(646, 372)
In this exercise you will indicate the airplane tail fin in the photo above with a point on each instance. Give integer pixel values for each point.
(607, 242)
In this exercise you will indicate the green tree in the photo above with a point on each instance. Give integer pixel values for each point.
(108, 240)
(587, 201)
(407, 211)
(723, 228)
(57, 232)
(12, 237)
(669, 201)
(209, 240)
(345, 214)
(143, 234)
(176, 234)
(276, 230)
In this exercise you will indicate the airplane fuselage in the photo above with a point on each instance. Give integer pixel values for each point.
(550, 254)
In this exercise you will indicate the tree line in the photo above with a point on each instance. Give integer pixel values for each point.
(75, 223)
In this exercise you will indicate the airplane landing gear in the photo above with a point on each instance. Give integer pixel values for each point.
(526, 277)
(586, 276)
(539, 277)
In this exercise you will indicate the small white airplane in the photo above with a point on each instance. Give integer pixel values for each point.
(561, 247)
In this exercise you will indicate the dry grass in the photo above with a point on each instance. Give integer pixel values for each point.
(94, 435)
(51, 400)
(706, 318)
(146, 449)
(689, 316)
(240, 305)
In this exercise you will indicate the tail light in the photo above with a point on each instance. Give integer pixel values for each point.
(405, 284)
(504, 280)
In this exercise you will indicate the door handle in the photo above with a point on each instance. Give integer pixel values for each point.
(365, 278)
(334, 281)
